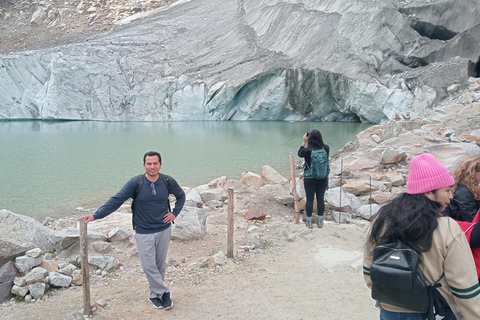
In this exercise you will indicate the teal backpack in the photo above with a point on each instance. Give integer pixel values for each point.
(320, 168)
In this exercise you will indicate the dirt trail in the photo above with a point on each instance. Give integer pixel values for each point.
(316, 276)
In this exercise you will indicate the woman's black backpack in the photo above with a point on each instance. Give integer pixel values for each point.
(398, 280)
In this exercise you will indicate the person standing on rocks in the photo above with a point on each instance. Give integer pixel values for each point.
(152, 219)
(314, 187)
(416, 218)
(466, 198)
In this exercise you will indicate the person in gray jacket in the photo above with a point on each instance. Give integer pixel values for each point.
(152, 221)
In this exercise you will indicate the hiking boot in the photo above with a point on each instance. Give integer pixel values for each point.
(157, 303)
(320, 221)
(309, 223)
(167, 301)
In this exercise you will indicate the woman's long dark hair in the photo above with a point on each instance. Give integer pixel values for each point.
(411, 218)
(315, 140)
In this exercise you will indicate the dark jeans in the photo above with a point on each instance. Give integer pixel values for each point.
(388, 315)
(315, 188)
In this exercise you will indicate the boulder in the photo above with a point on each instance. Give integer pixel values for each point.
(37, 289)
(367, 211)
(37, 274)
(34, 253)
(299, 188)
(395, 178)
(209, 194)
(359, 187)
(19, 234)
(280, 193)
(104, 263)
(251, 179)
(218, 259)
(68, 270)
(19, 291)
(193, 198)
(218, 183)
(101, 247)
(7, 277)
(393, 156)
(270, 175)
(190, 224)
(68, 236)
(341, 200)
(25, 263)
(58, 279)
(118, 234)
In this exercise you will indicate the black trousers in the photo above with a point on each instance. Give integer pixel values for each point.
(315, 188)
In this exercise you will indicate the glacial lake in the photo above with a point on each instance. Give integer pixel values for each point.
(49, 168)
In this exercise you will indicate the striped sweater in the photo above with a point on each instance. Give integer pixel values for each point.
(450, 254)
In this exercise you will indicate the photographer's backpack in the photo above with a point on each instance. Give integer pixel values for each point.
(319, 165)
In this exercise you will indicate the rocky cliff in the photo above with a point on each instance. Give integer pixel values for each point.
(252, 60)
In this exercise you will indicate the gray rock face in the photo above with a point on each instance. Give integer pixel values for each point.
(190, 224)
(20, 233)
(253, 60)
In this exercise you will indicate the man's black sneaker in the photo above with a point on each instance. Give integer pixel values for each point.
(167, 301)
(157, 302)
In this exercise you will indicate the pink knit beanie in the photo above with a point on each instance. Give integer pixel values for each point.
(427, 174)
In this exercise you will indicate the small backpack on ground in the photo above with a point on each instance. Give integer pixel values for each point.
(319, 165)
(398, 280)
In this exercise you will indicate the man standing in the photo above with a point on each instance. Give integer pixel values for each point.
(151, 221)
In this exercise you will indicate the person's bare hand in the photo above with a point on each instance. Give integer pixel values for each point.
(87, 218)
(169, 217)
(305, 137)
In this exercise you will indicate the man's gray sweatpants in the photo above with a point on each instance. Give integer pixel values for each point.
(152, 251)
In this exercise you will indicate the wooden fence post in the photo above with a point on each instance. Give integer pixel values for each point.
(230, 223)
(87, 309)
(294, 189)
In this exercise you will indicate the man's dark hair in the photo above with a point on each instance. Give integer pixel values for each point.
(151, 154)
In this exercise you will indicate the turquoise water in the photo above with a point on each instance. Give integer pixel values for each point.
(49, 168)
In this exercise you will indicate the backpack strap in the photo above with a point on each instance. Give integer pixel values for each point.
(167, 183)
(437, 284)
(138, 186)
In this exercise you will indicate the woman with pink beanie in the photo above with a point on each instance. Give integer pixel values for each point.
(416, 217)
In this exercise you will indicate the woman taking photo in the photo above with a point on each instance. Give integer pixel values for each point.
(416, 218)
(314, 187)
